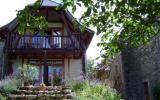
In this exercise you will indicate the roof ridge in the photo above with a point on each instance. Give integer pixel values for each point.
(54, 1)
(47, 3)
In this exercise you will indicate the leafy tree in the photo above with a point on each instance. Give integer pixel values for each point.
(90, 67)
(122, 22)
(30, 20)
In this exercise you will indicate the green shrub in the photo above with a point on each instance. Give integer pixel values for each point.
(84, 90)
(3, 97)
(156, 92)
(77, 86)
(11, 86)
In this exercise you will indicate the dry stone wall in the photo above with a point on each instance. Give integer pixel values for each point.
(141, 65)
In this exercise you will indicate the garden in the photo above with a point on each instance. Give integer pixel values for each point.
(21, 87)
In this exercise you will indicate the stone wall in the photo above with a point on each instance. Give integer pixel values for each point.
(141, 65)
(116, 74)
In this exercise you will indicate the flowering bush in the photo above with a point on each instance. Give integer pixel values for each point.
(85, 90)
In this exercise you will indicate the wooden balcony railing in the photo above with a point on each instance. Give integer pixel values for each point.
(15, 41)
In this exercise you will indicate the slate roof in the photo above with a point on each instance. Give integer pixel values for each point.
(47, 3)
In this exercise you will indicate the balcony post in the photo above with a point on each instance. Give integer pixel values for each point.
(45, 74)
(84, 63)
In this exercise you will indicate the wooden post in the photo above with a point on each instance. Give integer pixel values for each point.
(45, 74)
(69, 68)
(62, 39)
(83, 63)
(40, 71)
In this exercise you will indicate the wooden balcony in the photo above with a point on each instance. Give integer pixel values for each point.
(52, 44)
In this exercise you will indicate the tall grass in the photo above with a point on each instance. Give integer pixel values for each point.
(84, 90)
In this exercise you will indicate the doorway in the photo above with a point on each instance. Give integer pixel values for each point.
(55, 75)
(53, 70)
(146, 90)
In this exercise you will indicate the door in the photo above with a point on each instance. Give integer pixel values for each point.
(55, 75)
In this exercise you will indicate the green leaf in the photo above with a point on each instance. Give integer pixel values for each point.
(103, 9)
(88, 12)
(73, 9)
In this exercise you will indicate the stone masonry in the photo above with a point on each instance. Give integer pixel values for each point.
(141, 65)
(50, 93)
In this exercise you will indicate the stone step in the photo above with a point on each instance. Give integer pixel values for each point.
(41, 97)
(67, 91)
(47, 88)
(34, 93)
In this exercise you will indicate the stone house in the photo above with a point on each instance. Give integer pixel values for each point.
(140, 70)
(62, 50)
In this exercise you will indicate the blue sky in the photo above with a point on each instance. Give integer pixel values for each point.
(8, 13)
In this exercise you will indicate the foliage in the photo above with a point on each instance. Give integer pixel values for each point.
(28, 72)
(122, 22)
(3, 97)
(90, 67)
(87, 91)
(77, 85)
(57, 80)
(156, 92)
(11, 86)
(29, 20)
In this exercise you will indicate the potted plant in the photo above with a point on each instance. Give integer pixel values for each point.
(57, 80)
(28, 74)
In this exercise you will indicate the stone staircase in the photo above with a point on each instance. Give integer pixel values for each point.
(50, 93)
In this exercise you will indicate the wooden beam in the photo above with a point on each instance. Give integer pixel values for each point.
(63, 69)
(69, 68)
(61, 16)
(83, 63)
(22, 61)
(46, 14)
(68, 55)
(45, 75)
(62, 39)
(66, 21)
